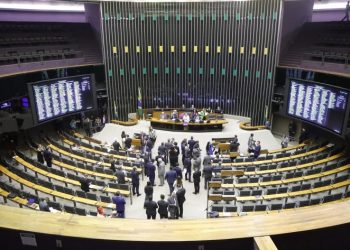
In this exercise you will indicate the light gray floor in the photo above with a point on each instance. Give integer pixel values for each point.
(195, 205)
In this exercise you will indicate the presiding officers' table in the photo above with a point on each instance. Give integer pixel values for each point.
(162, 120)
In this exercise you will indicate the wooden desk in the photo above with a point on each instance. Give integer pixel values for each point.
(285, 221)
(53, 192)
(214, 125)
(67, 180)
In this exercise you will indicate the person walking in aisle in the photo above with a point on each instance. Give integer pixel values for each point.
(196, 180)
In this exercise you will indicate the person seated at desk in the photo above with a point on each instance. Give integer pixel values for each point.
(195, 116)
(163, 116)
(174, 115)
(186, 119)
(202, 115)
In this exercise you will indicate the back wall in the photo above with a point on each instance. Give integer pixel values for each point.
(207, 54)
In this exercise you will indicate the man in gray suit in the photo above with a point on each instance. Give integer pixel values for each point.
(161, 171)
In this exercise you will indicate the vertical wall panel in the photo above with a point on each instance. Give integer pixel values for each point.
(237, 82)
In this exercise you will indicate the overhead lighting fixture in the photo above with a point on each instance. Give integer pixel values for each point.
(330, 6)
(36, 6)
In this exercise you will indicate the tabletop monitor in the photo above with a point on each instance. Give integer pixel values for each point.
(320, 104)
(63, 96)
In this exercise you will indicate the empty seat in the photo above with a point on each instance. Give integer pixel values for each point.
(217, 208)
(229, 192)
(100, 183)
(250, 169)
(108, 171)
(279, 156)
(123, 186)
(277, 177)
(244, 193)
(105, 199)
(284, 165)
(230, 209)
(68, 191)
(91, 196)
(341, 178)
(337, 196)
(260, 207)
(289, 176)
(295, 188)
(59, 188)
(69, 209)
(113, 185)
(266, 178)
(305, 186)
(269, 157)
(257, 192)
(92, 213)
(272, 166)
(99, 170)
(80, 211)
(315, 201)
(247, 208)
(304, 203)
(276, 206)
(298, 174)
(271, 191)
(328, 198)
(80, 194)
(228, 181)
(253, 179)
(263, 167)
(282, 190)
(242, 180)
(289, 205)
(217, 192)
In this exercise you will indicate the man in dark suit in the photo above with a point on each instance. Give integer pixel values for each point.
(191, 143)
(163, 207)
(188, 167)
(151, 171)
(128, 141)
(135, 180)
(207, 172)
(151, 208)
(148, 191)
(170, 177)
(84, 184)
(180, 194)
(116, 146)
(48, 157)
(196, 180)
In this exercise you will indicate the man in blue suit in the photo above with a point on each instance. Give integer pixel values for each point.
(170, 177)
(151, 170)
(119, 202)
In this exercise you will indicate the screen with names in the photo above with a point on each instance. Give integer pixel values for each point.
(58, 97)
(317, 103)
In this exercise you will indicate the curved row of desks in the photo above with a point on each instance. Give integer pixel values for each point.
(285, 221)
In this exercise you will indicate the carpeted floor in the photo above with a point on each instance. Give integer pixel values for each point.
(195, 205)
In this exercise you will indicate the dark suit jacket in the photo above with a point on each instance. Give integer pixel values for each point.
(180, 194)
(163, 207)
(197, 176)
(151, 207)
(135, 179)
(170, 176)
